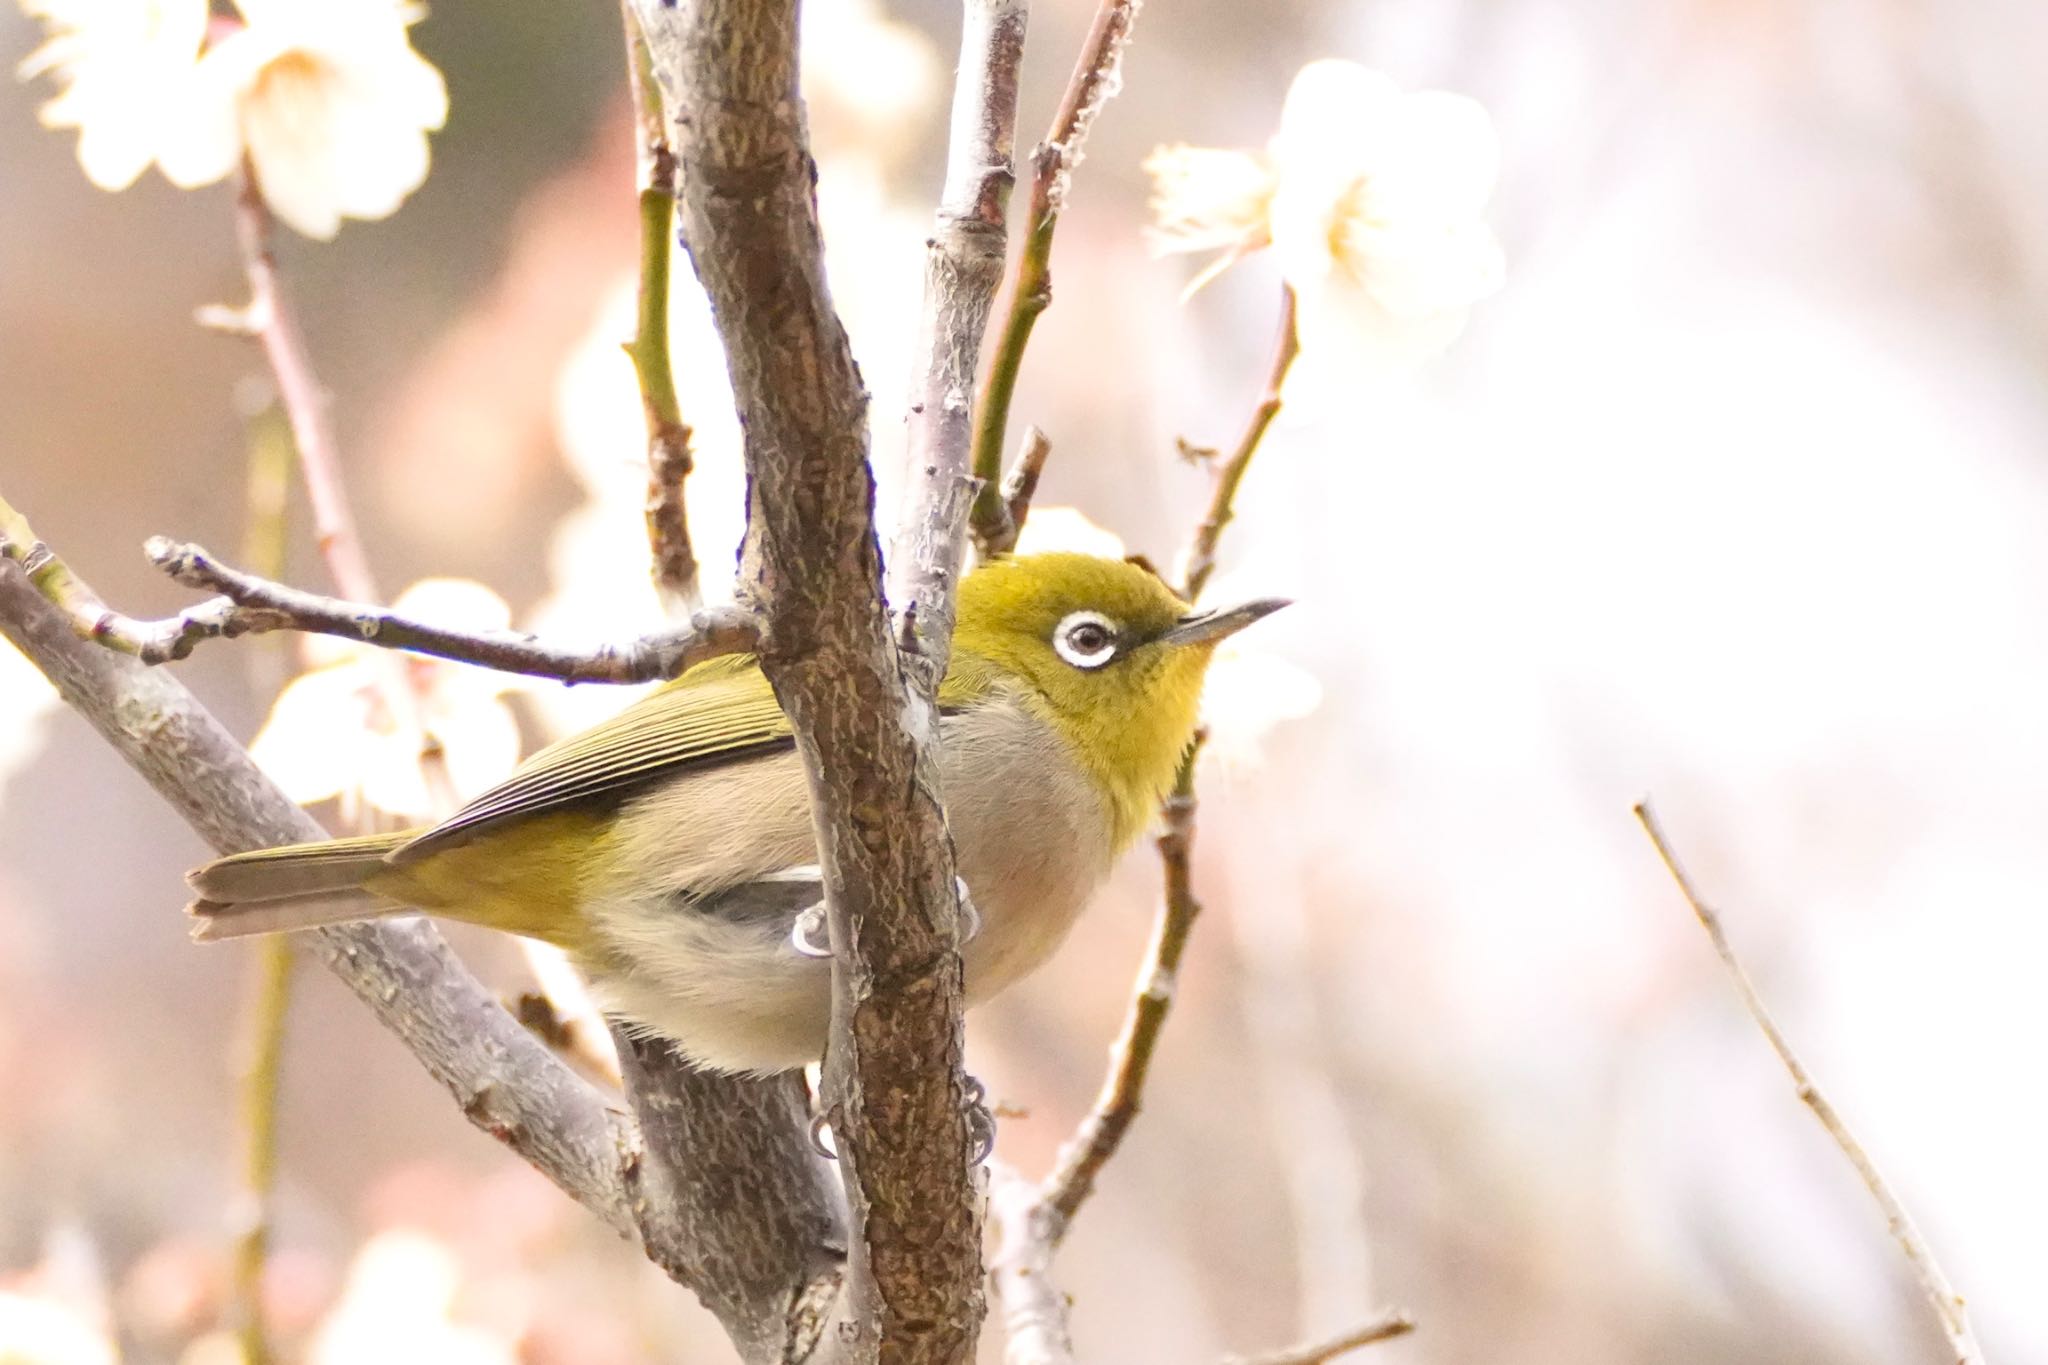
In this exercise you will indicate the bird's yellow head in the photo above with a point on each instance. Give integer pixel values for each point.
(1106, 653)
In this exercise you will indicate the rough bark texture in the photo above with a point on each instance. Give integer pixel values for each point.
(737, 1205)
(894, 1093)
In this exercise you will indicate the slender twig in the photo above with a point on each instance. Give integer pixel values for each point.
(249, 605)
(1200, 560)
(1934, 1284)
(271, 961)
(1020, 486)
(1384, 1328)
(1095, 79)
(268, 319)
(669, 459)
(262, 1073)
(1102, 1131)
(1035, 1330)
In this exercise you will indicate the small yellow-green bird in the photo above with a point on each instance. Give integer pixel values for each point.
(669, 849)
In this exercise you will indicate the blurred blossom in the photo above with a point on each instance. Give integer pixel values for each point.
(55, 1313)
(1371, 199)
(25, 698)
(39, 1331)
(330, 731)
(869, 81)
(1250, 693)
(329, 102)
(1050, 529)
(396, 1310)
(119, 63)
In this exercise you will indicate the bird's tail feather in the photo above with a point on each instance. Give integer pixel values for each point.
(299, 886)
(213, 921)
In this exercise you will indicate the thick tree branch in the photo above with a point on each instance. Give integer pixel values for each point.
(812, 567)
(1941, 1296)
(762, 1248)
(249, 605)
(733, 1202)
(505, 1081)
(1097, 76)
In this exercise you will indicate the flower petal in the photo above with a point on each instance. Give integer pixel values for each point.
(1205, 198)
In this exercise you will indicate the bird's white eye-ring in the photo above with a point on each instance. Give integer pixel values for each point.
(1085, 639)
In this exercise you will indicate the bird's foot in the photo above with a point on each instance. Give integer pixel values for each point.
(808, 933)
(981, 1122)
(970, 917)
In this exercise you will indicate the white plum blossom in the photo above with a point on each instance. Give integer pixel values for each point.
(329, 103)
(119, 64)
(1371, 199)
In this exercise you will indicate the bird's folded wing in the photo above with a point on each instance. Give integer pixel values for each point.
(716, 713)
(778, 897)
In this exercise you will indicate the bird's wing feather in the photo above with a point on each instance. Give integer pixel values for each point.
(717, 712)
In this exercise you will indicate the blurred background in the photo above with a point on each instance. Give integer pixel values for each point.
(1735, 496)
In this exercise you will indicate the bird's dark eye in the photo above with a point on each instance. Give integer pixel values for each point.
(1085, 639)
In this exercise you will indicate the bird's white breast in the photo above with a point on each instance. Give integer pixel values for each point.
(1030, 832)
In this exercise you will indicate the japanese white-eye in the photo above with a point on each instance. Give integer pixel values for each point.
(669, 849)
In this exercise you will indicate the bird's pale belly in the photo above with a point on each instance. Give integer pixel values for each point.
(719, 974)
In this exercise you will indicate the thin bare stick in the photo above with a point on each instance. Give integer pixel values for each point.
(249, 605)
(1097, 76)
(1130, 1058)
(669, 460)
(1020, 486)
(1384, 1328)
(1200, 560)
(1940, 1294)
(262, 1074)
(269, 320)
(1035, 1330)
(1102, 1131)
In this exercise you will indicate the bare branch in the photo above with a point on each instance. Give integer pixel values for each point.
(1200, 561)
(249, 605)
(269, 320)
(963, 270)
(1130, 1057)
(258, 1084)
(669, 460)
(1940, 1294)
(1020, 486)
(505, 1081)
(1384, 1328)
(1097, 76)
(1034, 1310)
(723, 1194)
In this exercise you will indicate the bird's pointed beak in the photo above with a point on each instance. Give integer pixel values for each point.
(1205, 628)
